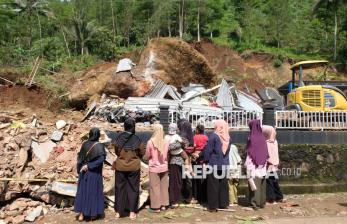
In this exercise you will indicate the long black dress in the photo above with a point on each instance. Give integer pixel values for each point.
(186, 133)
(89, 197)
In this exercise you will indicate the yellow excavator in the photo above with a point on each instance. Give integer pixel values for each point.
(313, 97)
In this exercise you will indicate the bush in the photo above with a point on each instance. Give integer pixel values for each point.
(277, 63)
(103, 44)
(51, 48)
(187, 37)
(77, 63)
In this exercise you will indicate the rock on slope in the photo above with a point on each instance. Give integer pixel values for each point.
(172, 60)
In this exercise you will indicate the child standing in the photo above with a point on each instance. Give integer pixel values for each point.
(273, 191)
(199, 184)
(177, 159)
(234, 171)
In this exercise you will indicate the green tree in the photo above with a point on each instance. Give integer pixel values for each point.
(334, 6)
(278, 21)
(31, 8)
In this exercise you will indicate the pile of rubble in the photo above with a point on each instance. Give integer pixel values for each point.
(111, 109)
(24, 209)
(38, 168)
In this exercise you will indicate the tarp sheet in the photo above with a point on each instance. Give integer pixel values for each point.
(124, 64)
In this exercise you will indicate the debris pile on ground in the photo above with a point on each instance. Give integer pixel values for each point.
(24, 209)
(39, 162)
(113, 111)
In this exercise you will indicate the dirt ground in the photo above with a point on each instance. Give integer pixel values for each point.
(306, 208)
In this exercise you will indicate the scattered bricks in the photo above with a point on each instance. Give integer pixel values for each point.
(13, 213)
(19, 204)
(18, 219)
(33, 203)
(13, 146)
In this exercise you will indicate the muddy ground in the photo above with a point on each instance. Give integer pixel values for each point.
(306, 208)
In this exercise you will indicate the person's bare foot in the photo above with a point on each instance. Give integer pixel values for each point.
(80, 217)
(271, 203)
(132, 216)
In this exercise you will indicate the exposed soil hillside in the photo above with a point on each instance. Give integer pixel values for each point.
(172, 60)
(177, 63)
(248, 71)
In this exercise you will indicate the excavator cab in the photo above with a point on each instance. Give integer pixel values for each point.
(313, 97)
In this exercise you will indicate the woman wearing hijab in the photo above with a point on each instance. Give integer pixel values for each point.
(199, 184)
(186, 133)
(129, 150)
(89, 197)
(156, 153)
(257, 156)
(273, 191)
(177, 159)
(216, 154)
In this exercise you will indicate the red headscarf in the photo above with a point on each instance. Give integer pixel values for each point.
(221, 128)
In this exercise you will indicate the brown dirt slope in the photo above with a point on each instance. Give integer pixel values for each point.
(169, 59)
(177, 63)
(249, 70)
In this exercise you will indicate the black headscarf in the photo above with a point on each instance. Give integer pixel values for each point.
(128, 140)
(96, 151)
(186, 131)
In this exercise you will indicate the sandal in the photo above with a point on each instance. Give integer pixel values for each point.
(193, 201)
(174, 206)
(212, 210)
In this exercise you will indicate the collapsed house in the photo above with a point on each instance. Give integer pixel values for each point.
(197, 104)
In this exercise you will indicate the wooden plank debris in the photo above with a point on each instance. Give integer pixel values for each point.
(6, 80)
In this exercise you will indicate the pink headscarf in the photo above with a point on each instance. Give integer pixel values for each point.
(221, 128)
(272, 145)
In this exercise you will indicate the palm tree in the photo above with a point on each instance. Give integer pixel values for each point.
(30, 8)
(335, 6)
(82, 29)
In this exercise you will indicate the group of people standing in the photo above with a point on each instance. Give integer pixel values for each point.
(173, 161)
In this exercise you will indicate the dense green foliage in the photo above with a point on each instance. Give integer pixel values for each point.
(62, 30)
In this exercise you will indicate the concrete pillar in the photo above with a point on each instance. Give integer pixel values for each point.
(164, 117)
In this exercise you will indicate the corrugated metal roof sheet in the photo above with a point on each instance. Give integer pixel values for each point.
(248, 102)
(224, 98)
(160, 90)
